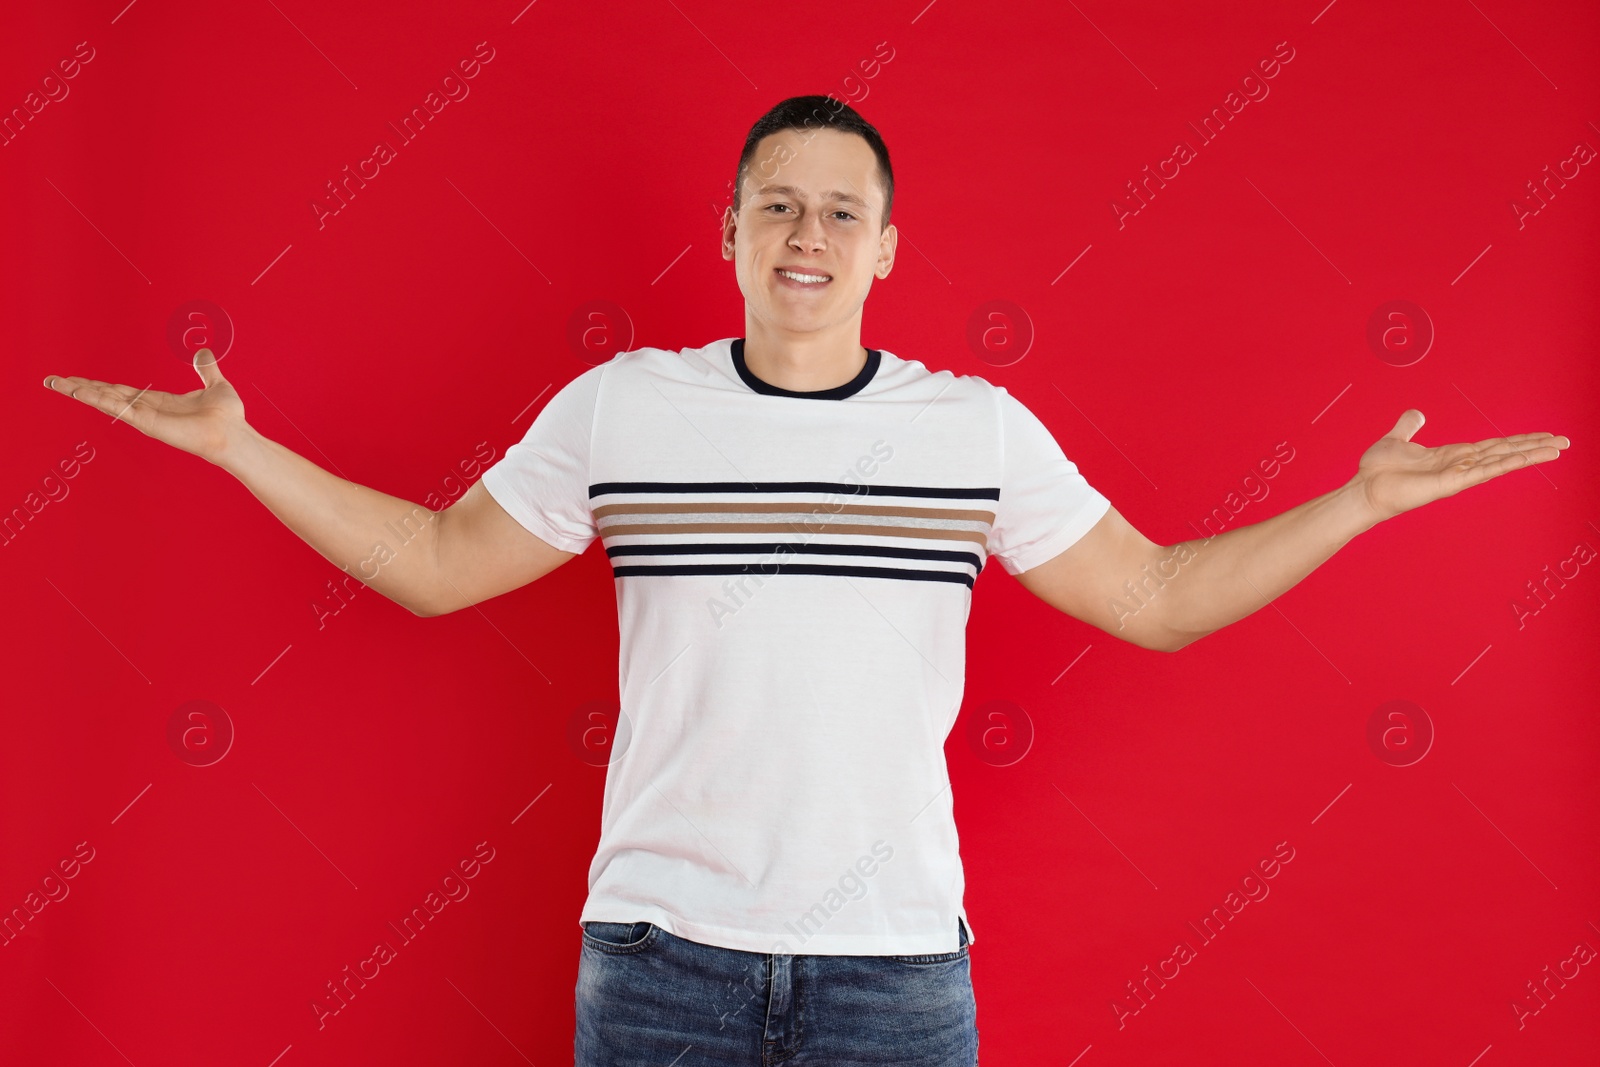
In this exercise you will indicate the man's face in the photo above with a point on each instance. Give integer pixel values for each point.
(811, 202)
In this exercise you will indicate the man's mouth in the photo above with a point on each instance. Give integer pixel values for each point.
(805, 278)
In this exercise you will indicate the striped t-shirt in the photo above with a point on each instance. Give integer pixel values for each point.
(793, 573)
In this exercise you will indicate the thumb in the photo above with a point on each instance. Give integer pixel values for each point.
(205, 364)
(1410, 422)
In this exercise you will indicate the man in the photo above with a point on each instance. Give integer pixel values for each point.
(795, 523)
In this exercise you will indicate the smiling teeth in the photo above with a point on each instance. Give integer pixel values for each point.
(805, 279)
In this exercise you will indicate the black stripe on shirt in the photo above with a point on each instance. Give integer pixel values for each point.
(797, 568)
(845, 488)
(705, 548)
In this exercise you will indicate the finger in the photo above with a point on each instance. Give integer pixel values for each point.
(113, 400)
(83, 388)
(1410, 422)
(1484, 468)
(1522, 440)
(1545, 446)
(205, 364)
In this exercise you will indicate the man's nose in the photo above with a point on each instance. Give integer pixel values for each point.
(808, 233)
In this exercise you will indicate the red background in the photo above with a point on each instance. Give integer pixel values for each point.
(1230, 314)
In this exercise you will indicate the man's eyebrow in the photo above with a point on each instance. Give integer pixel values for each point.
(789, 190)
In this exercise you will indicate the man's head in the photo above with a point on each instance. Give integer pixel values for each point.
(814, 190)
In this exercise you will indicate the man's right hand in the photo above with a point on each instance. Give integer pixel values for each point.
(204, 422)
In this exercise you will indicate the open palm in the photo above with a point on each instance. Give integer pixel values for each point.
(201, 422)
(1398, 474)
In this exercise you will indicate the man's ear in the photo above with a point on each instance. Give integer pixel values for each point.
(730, 225)
(886, 249)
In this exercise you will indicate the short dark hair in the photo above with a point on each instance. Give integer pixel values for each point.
(819, 112)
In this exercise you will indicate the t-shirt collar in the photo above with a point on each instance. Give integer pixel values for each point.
(838, 392)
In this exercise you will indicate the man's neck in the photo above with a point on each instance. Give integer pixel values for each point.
(804, 364)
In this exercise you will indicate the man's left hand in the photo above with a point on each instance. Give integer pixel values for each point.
(1396, 474)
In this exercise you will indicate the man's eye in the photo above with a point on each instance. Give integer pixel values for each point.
(785, 207)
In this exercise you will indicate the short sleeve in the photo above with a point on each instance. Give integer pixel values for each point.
(543, 480)
(1045, 505)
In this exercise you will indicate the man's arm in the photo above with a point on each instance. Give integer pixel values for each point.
(427, 562)
(1164, 598)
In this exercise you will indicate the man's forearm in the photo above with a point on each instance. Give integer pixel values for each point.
(386, 542)
(1234, 573)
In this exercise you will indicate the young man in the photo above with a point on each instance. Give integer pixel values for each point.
(795, 523)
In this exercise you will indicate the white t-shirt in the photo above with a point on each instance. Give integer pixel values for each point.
(794, 573)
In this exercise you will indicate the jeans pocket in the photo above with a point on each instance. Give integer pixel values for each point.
(619, 938)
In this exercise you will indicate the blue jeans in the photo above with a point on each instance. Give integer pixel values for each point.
(646, 998)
